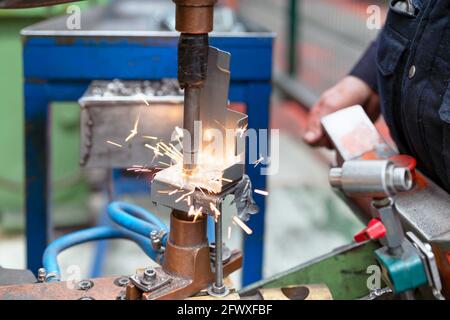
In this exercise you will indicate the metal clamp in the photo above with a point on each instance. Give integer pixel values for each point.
(429, 261)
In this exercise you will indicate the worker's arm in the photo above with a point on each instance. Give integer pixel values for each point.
(365, 69)
(358, 88)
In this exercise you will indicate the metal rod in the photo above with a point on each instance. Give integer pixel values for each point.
(219, 249)
(218, 289)
(190, 117)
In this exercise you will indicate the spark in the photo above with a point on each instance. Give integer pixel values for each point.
(242, 130)
(164, 164)
(257, 162)
(262, 192)
(172, 153)
(191, 211)
(215, 210)
(243, 226)
(198, 213)
(183, 196)
(173, 192)
(229, 233)
(179, 132)
(220, 124)
(144, 98)
(114, 143)
(155, 151)
(164, 191)
(226, 180)
(134, 131)
(176, 150)
(150, 137)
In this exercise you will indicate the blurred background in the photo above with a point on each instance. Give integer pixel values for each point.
(317, 43)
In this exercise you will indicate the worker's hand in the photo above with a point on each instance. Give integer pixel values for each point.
(347, 92)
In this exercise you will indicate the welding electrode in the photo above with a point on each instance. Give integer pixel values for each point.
(194, 19)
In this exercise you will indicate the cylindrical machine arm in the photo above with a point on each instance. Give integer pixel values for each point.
(194, 16)
(194, 19)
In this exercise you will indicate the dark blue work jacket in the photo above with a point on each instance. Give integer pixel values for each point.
(409, 66)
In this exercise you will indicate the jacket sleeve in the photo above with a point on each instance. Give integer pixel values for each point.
(366, 68)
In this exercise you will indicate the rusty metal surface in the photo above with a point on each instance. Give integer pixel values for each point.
(194, 16)
(187, 260)
(103, 289)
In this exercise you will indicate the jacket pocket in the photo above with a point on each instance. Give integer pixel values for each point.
(390, 50)
(402, 7)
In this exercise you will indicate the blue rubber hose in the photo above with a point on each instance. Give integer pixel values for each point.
(136, 219)
(51, 253)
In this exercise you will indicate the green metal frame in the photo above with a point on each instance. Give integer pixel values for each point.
(344, 271)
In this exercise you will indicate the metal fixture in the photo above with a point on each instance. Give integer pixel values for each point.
(148, 276)
(429, 261)
(218, 288)
(42, 274)
(374, 178)
(194, 19)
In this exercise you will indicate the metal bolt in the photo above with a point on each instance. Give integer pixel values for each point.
(85, 285)
(122, 281)
(122, 296)
(149, 276)
(42, 273)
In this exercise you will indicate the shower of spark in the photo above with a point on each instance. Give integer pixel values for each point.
(257, 162)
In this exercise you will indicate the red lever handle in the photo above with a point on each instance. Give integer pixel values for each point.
(374, 230)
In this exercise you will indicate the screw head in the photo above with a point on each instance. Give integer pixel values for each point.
(148, 276)
(85, 285)
(218, 292)
(122, 281)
